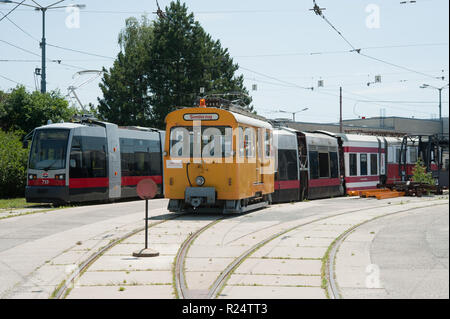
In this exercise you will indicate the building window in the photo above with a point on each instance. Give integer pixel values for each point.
(363, 164)
(353, 165)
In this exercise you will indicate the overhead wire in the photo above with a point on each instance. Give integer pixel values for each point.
(319, 11)
(19, 27)
(11, 80)
(10, 11)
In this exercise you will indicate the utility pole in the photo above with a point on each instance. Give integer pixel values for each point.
(441, 123)
(38, 7)
(340, 109)
(44, 72)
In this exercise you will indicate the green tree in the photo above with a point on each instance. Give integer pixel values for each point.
(13, 165)
(420, 174)
(24, 111)
(125, 97)
(162, 65)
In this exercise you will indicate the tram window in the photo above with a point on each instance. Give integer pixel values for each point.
(314, 165)
(287, 165)
(249, 142)
(334, 165)
(397, 155)
(324, 165)
(363, 164)
(413, 155)
(291, 157)
(215, 141)
(140, 157)
(267, 143)
(353, 165)
(282, 166)
(373, 164)
(88, 157)
(48, 150)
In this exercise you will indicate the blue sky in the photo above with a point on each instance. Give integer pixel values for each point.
(272, 41)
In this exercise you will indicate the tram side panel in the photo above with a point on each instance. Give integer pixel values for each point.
(323, 166)
(364, 158)
(140, 158)
(88, 165)
(287, 179)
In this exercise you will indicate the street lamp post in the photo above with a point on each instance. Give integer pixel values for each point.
(38, 7)
(425, 86)
(293, 113)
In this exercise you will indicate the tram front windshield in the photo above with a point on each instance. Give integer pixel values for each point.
(214, 141)
(48, 151)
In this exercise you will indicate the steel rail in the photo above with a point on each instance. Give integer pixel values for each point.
(180, 282)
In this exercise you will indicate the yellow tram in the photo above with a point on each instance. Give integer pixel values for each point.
(217, 159)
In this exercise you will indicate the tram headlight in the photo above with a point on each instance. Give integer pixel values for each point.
(200, 180)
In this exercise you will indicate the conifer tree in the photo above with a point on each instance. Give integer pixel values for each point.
(162, 65)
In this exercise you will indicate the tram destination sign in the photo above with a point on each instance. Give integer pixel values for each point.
(201, 117)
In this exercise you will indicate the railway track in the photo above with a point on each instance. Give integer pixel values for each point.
(180, 286)
(64, 289)
(218, 285)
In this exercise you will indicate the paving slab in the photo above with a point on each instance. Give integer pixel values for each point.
(71, 257)
(213, 251)
(364, 293)
(92, 278)
(124, 249)
(130, 263)
(129, 292)
(207, 264)
(274, 280)
(353, 276)
(200, 280)
(156, 239)
(290, 252)
(265, 292)
(354, 255)
(280, 266)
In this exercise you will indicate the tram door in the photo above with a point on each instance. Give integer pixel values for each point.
(303, 165)
(259, 159)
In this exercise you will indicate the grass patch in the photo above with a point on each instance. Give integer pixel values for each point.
(15, 203)
(55, 291)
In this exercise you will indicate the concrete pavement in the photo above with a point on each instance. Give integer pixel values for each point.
(39, 251)
(400, 256)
